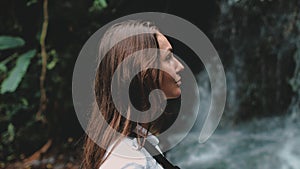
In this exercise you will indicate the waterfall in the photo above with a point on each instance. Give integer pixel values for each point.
(260, 50)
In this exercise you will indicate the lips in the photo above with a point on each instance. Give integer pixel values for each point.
(178, 82)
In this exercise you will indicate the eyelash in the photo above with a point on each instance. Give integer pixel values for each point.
(169, 56)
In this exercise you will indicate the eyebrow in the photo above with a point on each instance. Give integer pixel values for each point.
(170, 49)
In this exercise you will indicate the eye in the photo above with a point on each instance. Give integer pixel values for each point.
(169, 56)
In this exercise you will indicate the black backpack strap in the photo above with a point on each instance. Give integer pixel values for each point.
(165, 163)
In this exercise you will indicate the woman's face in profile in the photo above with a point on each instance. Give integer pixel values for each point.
(170, 85)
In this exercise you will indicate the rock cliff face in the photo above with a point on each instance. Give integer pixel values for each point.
(258, 42)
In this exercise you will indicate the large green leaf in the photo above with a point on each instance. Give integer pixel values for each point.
(2, 67)
(11, 83)
(9, 42)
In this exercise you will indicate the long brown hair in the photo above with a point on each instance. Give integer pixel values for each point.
(128, 37)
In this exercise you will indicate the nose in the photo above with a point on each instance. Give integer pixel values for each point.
(179, 66)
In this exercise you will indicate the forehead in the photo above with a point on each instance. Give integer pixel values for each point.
(163, 42)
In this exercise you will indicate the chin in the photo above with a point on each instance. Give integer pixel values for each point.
(175, 94)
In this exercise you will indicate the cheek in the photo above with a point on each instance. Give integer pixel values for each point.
(169, 87)
(165, 81)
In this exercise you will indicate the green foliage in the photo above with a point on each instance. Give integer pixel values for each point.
(54, 60)
(20, 72)
(10, 132)
(8, 137)
(11, 83)
(2, 67)
(98, 5)
(8, 42)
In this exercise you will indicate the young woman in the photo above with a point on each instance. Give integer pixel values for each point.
(118, 142)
